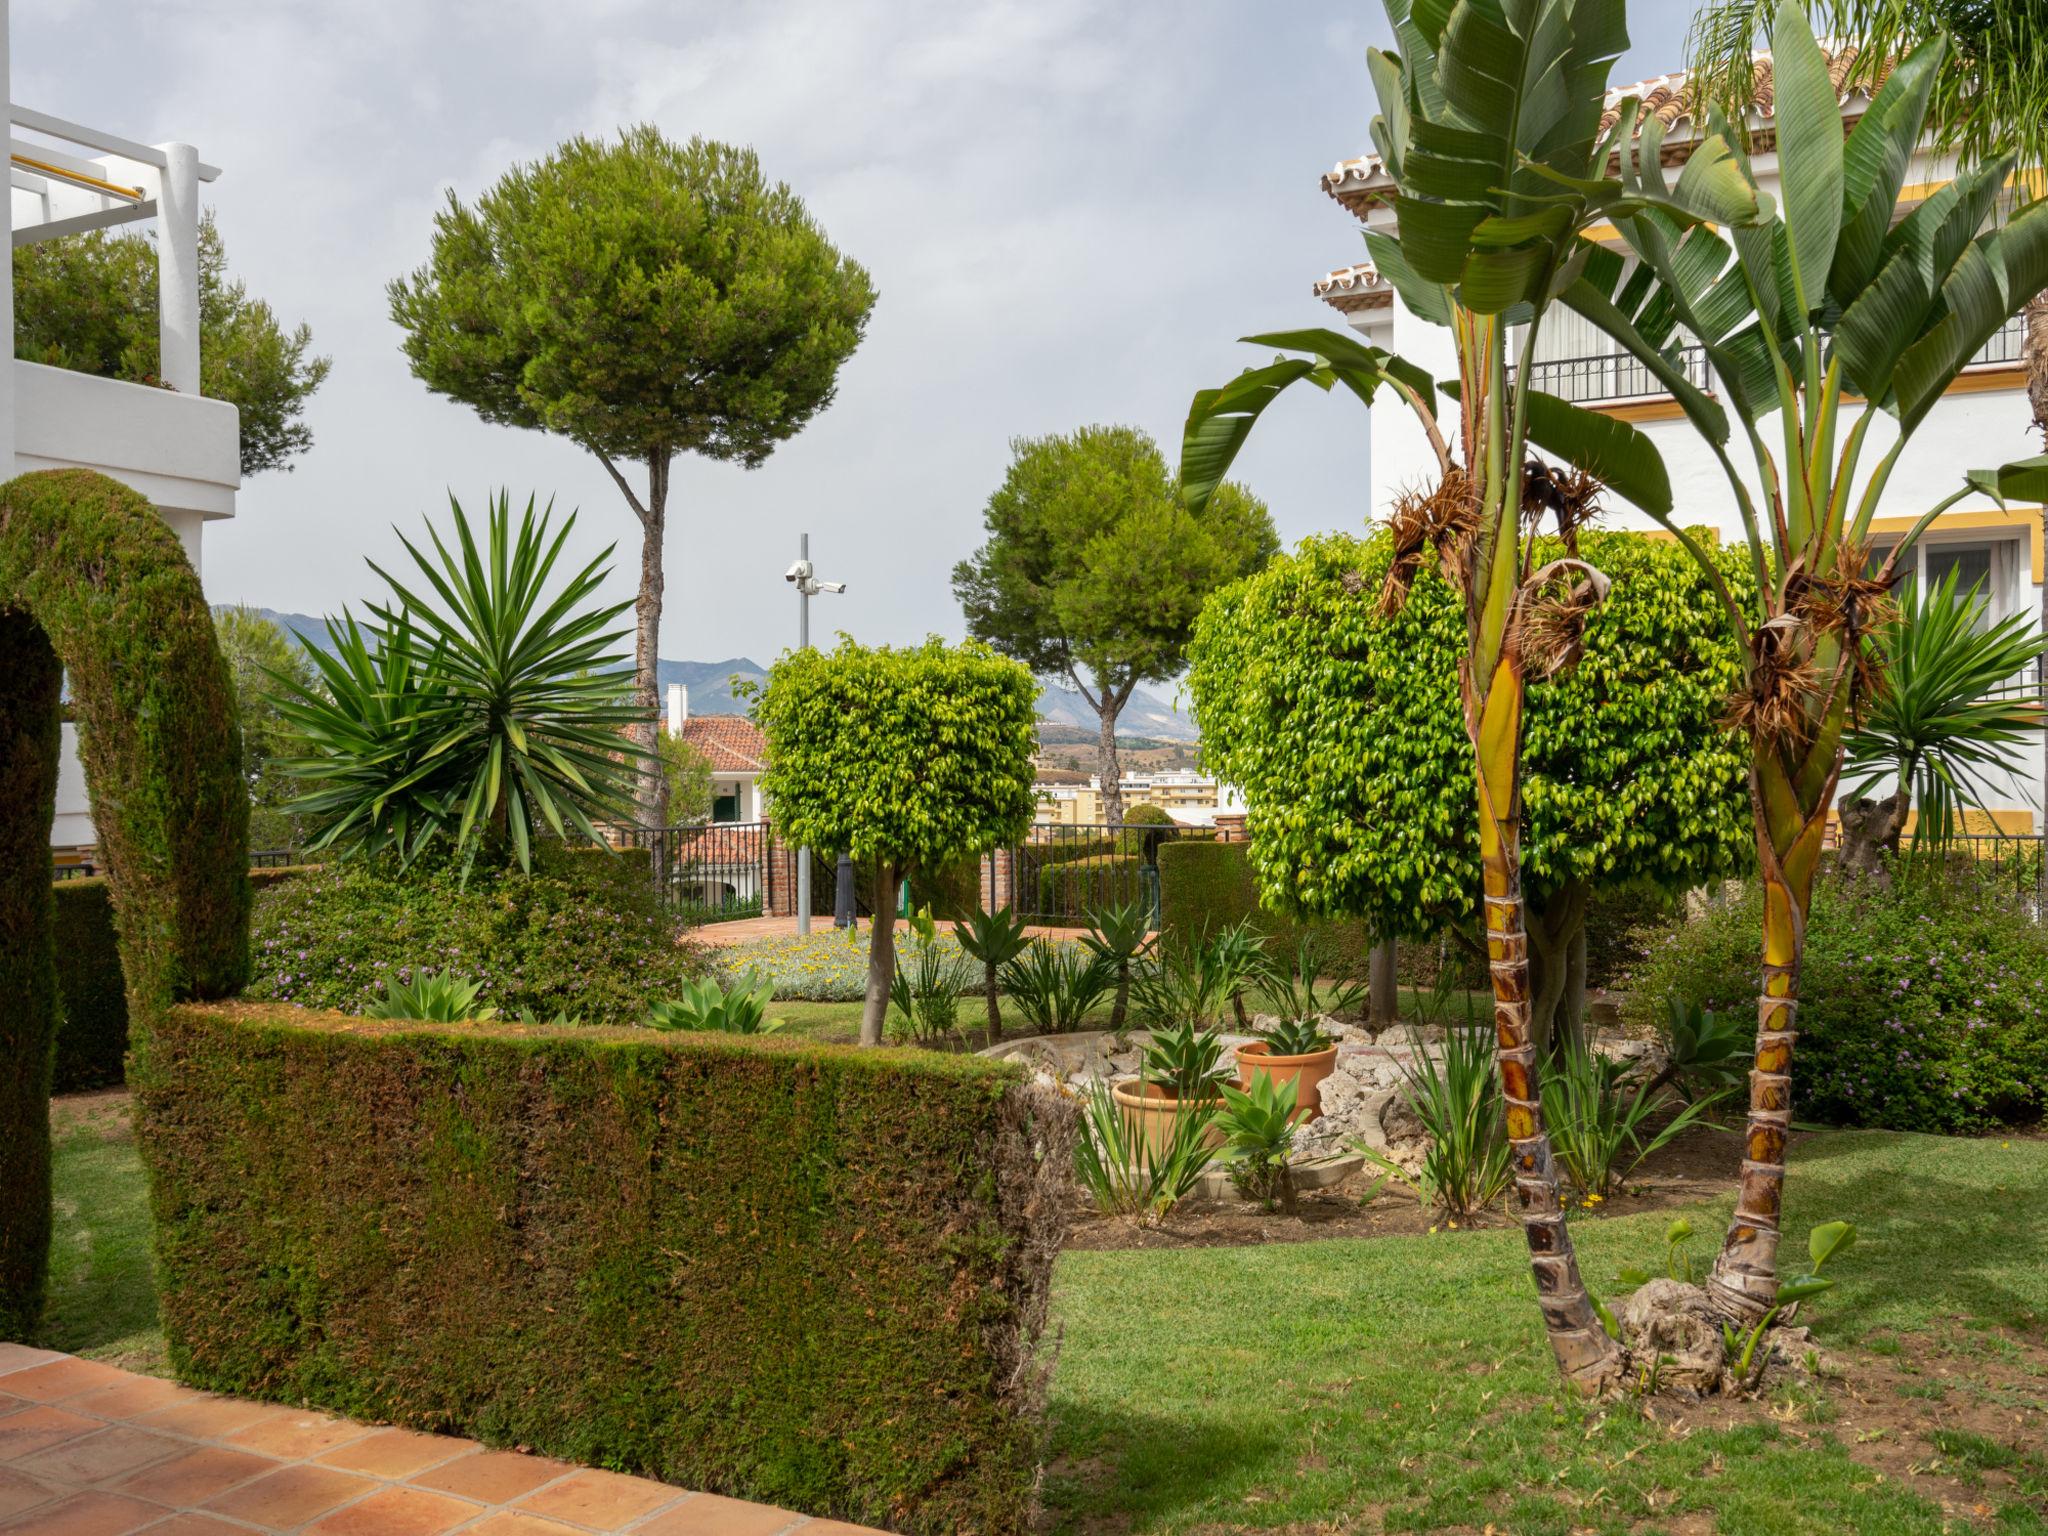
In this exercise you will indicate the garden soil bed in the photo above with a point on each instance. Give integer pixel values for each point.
(1699, 1164)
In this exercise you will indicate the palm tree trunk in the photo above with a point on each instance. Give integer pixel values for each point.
(1744, 1283)
(1590, 1359)
(995, 1012)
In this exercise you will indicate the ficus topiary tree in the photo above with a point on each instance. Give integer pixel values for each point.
(643, 299)
(905, 759)
(94, 586)
(1342, 725)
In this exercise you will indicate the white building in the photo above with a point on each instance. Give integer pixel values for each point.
(177, 448)
(1983, 421)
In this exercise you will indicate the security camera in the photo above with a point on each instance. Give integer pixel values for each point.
(799, 572)
(831, 586)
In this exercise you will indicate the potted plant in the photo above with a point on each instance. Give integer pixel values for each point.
(1182, 1074)
(1292, 1051)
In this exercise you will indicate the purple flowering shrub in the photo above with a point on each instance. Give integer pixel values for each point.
(1923, 1008)
(583, 935)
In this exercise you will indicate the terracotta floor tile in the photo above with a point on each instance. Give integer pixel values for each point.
(193, 1478)
(61, 1378)
(38, 1428)
(495, 1477)
(86, 1514)
(9, 1403)
(395, 1453)
(289, 1496)
(602, 1499)
(130, 1398)
(194, 1525)
(205, 1417)
(398, 1512)
(296, 1434)
(19, 1357)
(19, 1491)
(711, 1514)
(512, 1522)
(100, 1458)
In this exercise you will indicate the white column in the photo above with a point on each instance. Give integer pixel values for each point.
(177, 269)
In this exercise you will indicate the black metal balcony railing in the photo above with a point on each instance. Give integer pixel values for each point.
(1617, 376)
(1611, 376)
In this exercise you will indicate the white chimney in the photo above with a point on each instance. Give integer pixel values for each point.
(678, 708)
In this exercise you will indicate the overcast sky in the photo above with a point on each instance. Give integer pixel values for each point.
(1069, 210)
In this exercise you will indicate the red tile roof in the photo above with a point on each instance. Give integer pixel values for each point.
(733, 743)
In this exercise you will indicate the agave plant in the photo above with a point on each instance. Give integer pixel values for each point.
(739, 1009)
(1941, 726)
(432, 997)
(1117, 936)
(995, 939)
(1804, 305)
(1489, 128)
(486, 718)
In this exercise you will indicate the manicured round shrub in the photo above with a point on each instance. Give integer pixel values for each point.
(584, 934)
(1923, 1008)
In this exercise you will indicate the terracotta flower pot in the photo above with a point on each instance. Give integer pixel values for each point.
(1306, 1072)
(1150, 1108)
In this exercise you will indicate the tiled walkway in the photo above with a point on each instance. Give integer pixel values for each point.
(87, 1450)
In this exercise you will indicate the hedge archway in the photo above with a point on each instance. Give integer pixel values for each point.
(94, 585)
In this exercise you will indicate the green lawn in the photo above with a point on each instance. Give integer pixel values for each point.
(1402, 1383)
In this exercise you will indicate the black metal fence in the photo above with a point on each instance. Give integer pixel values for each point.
(1061, 873)
(713, 873)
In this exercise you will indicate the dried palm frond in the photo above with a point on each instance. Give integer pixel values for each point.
(1775, 703)
(1443, 518)
(1851, 607)
(1570, 495)
(1548, 630)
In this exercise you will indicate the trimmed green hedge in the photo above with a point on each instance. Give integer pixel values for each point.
(805, 1274)
(1074, 887)
(92, 1036)
(1205, 886)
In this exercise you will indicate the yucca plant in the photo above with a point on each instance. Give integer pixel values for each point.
(1941, 727)
(1489, 128)
(432, 997)
(481, 720)
(1123, 1174)
(1054, 985)
(1804, 305)
(1118, 936)
(1293, 992)
(995, 939)
(1604, 1125)
(1465, 1166)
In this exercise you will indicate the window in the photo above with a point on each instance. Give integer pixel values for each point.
(1991, 565)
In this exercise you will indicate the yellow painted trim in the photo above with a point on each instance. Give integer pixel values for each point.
(1709, 536)
(133, 194)
(1663, 408)
(1978, 381)
(2027, 518)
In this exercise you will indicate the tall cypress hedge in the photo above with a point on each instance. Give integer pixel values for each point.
(92, 580)
(804, 1274)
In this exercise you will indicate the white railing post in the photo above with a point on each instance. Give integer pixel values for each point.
(177, 269)
(7, 275)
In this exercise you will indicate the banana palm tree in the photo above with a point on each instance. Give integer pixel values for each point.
(1991, 101)
(1812, 300)
(1489, 127)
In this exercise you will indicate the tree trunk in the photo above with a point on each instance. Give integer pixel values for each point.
(881, 959)
(1551, 932)
(1589, 1358)
(1790, 825)
(1122, 1005)
(1870, 829)
(653, 786)
(1383, 986)
(1569, 1027)
(995, 1012)
(1111, 771)
(31, 684)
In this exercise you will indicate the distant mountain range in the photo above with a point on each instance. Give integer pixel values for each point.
(710, 684)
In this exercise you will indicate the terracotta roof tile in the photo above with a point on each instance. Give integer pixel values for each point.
(733, 743)
(1355, 288)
